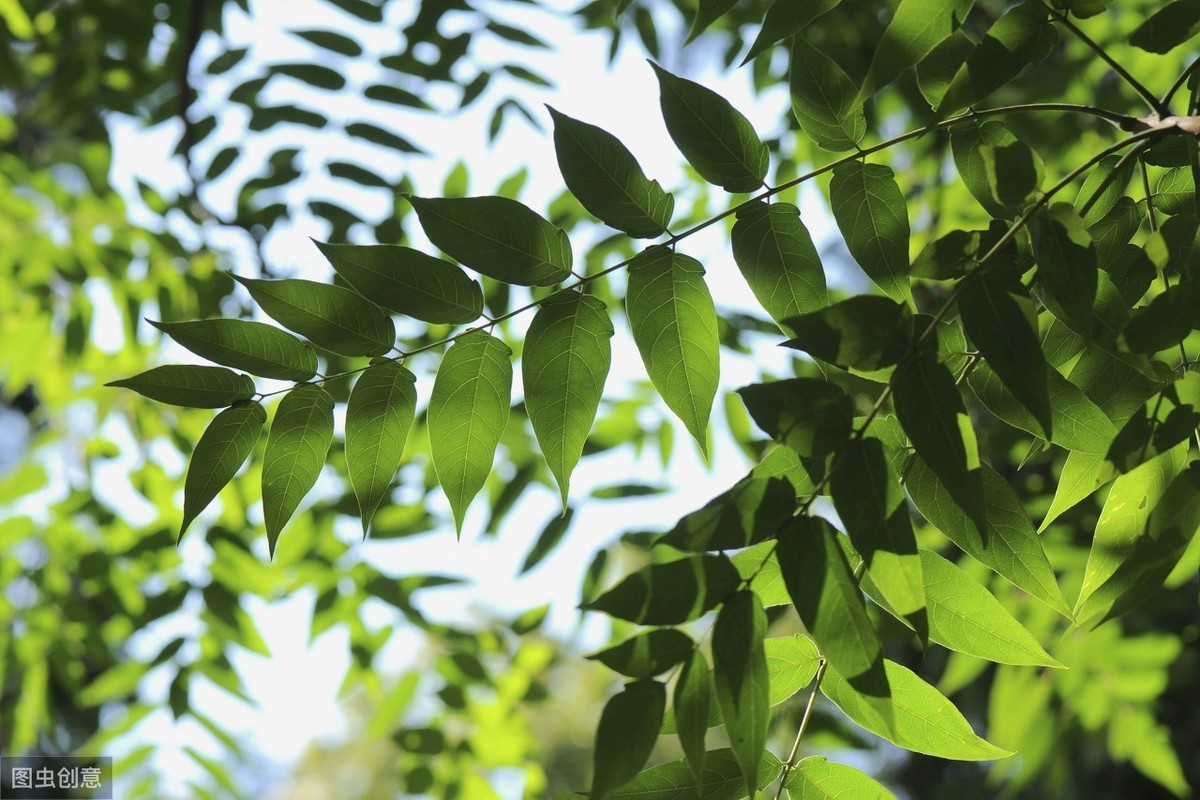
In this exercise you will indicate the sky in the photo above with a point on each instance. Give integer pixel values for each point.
(296, 687)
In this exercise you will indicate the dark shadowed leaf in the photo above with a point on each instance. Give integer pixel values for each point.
(1166, 321)
(671, 593)
(915, 29)
(647, 654)
(871, 214)
(713, 136)
(225, 445)
(751, 511)
(259, 349)
(722, 779)
(708, 12)
(864, 332)
(811, 416)
(379, 416)
(626, 735)
(742, 681)
(691, 705)
(376, 135)
(1066, 260)
(329, 40)
(313, 74)
(190, 386)
(784, 19)
(1168, 27)
(297, 445)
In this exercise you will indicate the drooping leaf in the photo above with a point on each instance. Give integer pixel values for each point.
(874, 511)
(1009, 545)
(626, 735)
(917, 716)
(1002, 328)
(873, 217)
(331, 317)
(259, 349)
(564, 363)
(760, 566)
(824, 99)
(722, 779)
(691, 705)
(810, 416)
(783, 20)
(933, 415)
(468, 409)
(741, 679)
(816, 778)
(408, 281)
(674, 325)
(708, 12)
(915, 29)
(297, 445)
(1082, 474)
(865, 332)
(224, 446)
(1165, 321)
(749, 512)
(497, 237)
(606, 178)
(1021, 37)
(828, 600)
(379, 416)
(1127, 517)
(776, 256)
(715, 138)
(1066, 260)
(792, 663)
(647, 654)
(670, 593)
(190, 386)
(1168, 27)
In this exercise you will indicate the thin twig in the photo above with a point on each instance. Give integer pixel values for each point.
(808, 710)
(1178, 84)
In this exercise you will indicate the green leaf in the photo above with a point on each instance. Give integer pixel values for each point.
(691, 704)
(626, 735)
(468, 409)
(1021, 37)
(1008, 545)
(407, 281)
(915, 29)
(497, 237)
(671, 593)
(964, 616)
(829, 602)
(1126, 520)
(1002, 328)
(812, 417)
(1082, 474)
(379, 416)
(259, 349)
(760, 565)
(1165, 321)
(741, 680)
(824, 99)
(674, 325)
(783, 20)
(936, 71)
(722, 779)
(606, 178)
(647, 654)
(933, 415)
(874, 512)
(329, 316)
(316, 75)
(817, 778)
(708, 12)
(564, 362)
(394, 95)
(871, 214)
(1078, 423)
(1168, 27)
(225, 445)
(715, 138)
(1066, 260)
(792, 663)
(1109, 193)
(296, 449)
(334, 42)
(749, 512)
(865, 332)
(190, 386)
(777, 258)
(917, 717)
(376, 135)
(971, 146)
(1014, 173)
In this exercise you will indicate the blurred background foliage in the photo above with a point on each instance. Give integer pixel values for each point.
(103, 622)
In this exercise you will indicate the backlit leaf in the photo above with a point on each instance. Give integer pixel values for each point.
(331, 317)
(253, 346)
(915, 29)
(407, 281)
(670, 593)
(810, 416)
(792, 663)
(674, 325)
(715, 138)
(749, 512)
(297, 445)
(225, 445)
(871, 214)
(741, 679)
(190, 386)
(564, 363)
(865, 332)
(626, 735)
(708, 12)
(691, 705)
(784, 19)
(776, 256)
(722, 779)
(379, 416)
(647, 654)
(816, 778)
(497, 237)
(1082, 474)
(824, 99)
(467, 411)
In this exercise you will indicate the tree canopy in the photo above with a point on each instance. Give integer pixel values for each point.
(968, 521)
